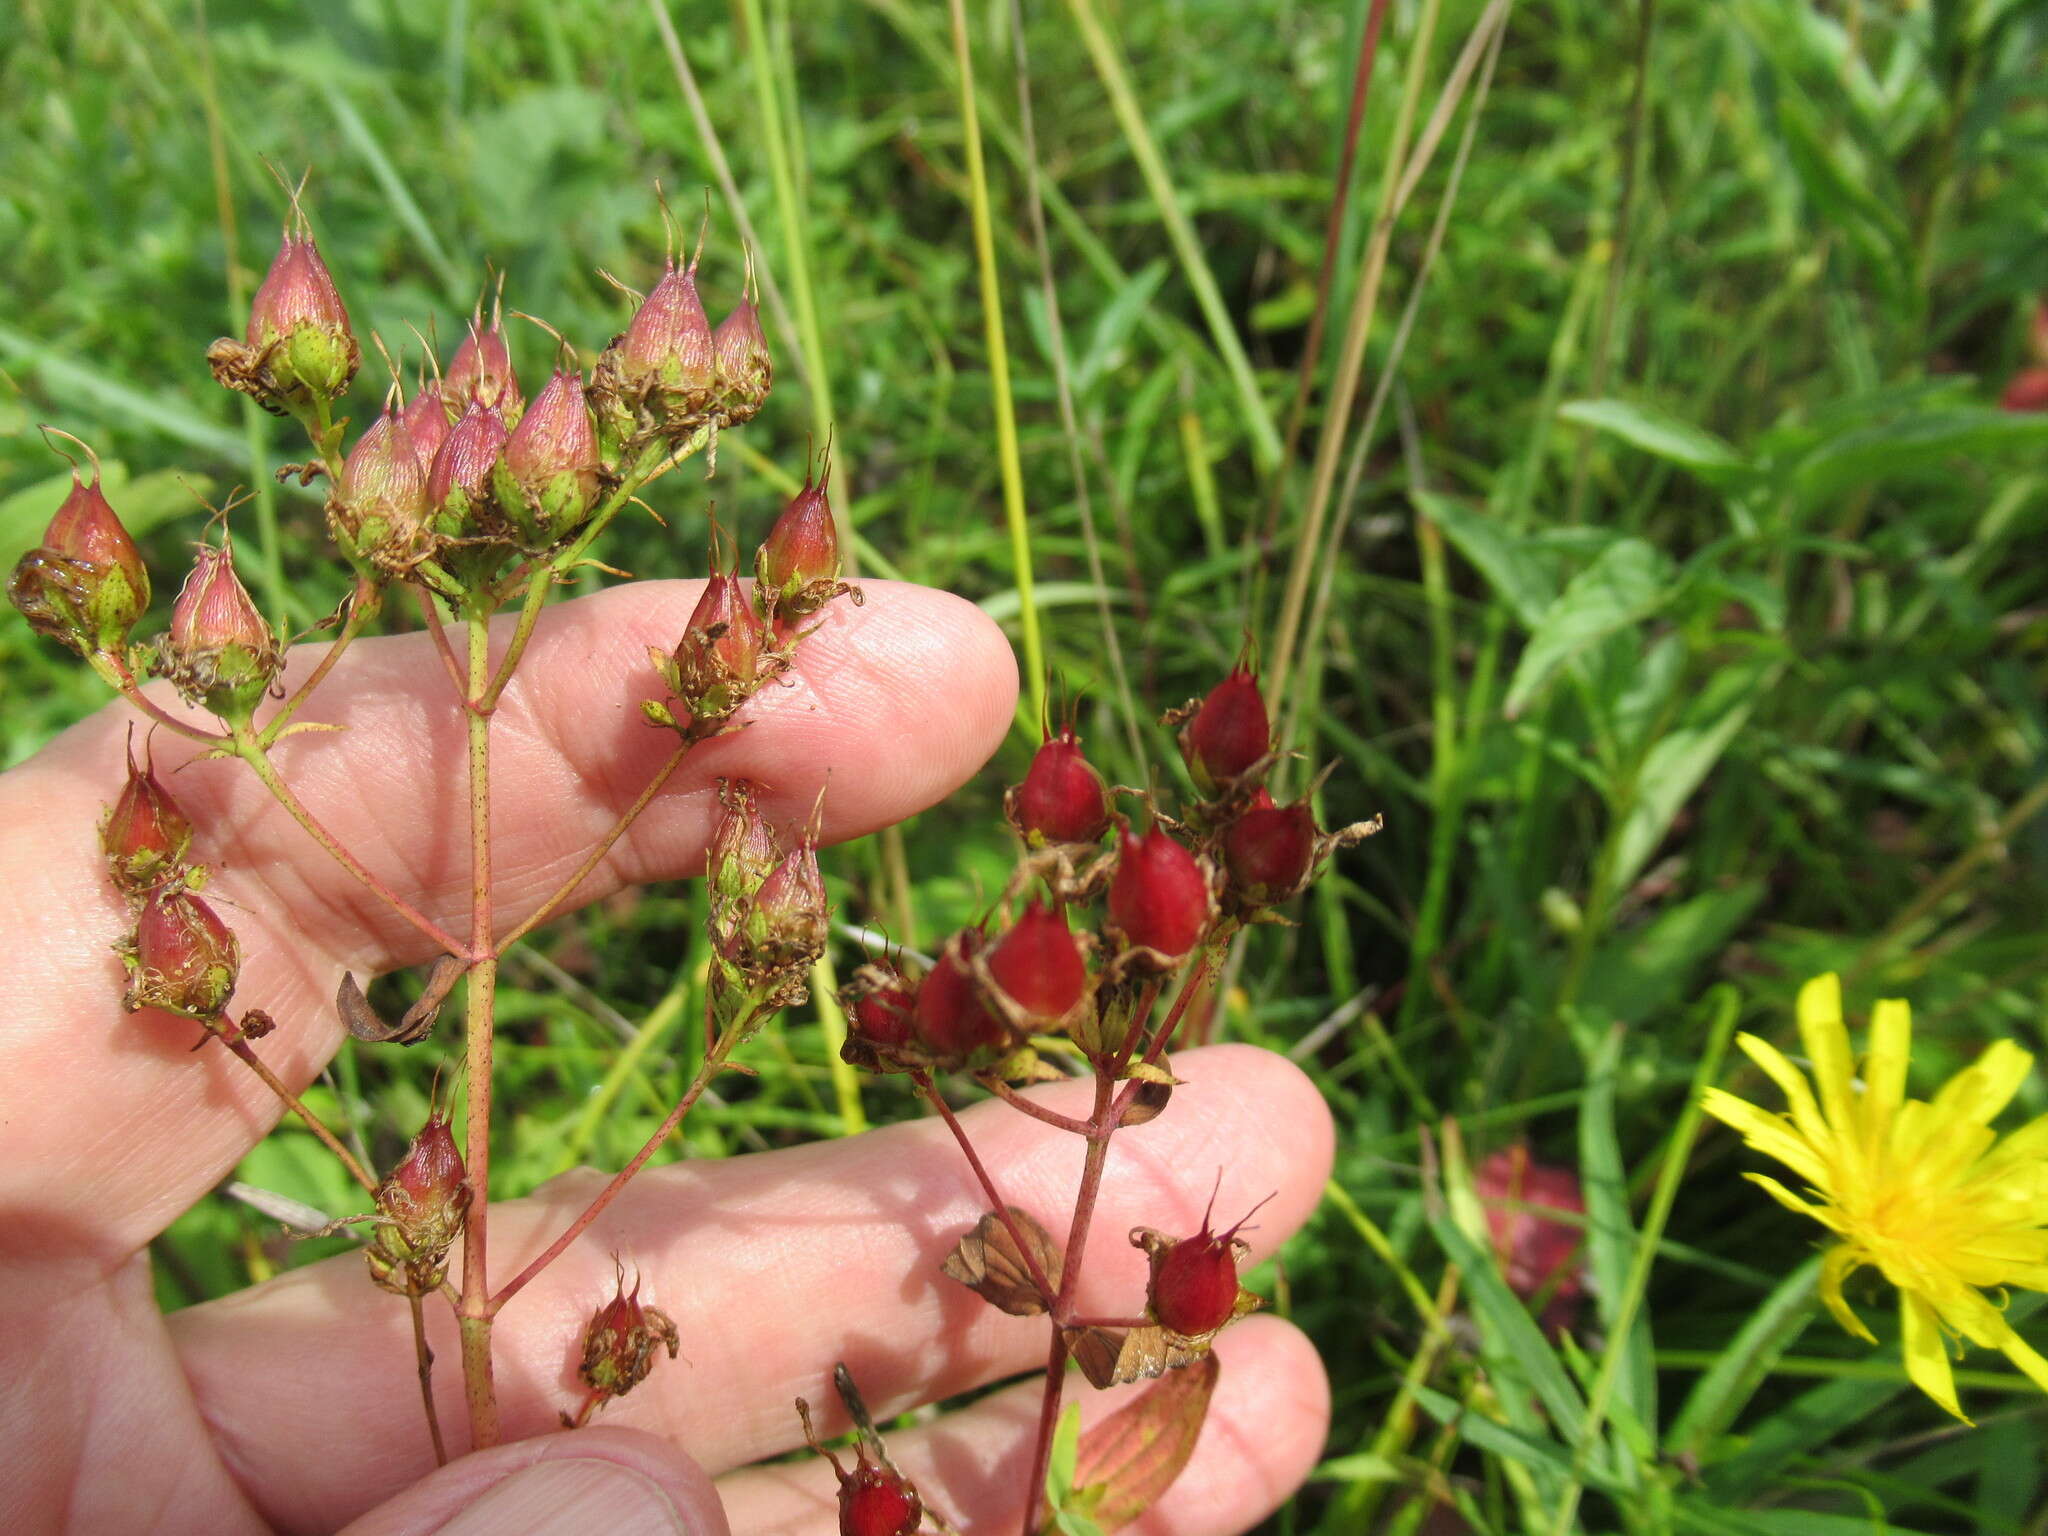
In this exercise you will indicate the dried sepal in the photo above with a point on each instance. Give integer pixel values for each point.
(1148, 1102)
(989, 1262)
(1115, 1357)
(364, 1023)
(1128, 1460)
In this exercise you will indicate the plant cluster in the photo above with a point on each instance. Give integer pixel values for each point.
(472, 500)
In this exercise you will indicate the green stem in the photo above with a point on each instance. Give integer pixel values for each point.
(474, 1309)
(313, 1122)
(1007, 456)
(363, 605)
(539, 583)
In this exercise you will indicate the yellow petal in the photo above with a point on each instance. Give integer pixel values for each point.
(1884, 1069)
(1840, 1262)
(1827, 1045)
(2026, 1357)
(1794, 1204)
(1978, 1094)
(2028, 1144)
(1926, 1353)
(1792, 1083)
(1766, 1132)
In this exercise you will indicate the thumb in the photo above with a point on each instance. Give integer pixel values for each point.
(618, 1481)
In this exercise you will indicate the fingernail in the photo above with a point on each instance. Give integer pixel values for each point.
(570, 1497)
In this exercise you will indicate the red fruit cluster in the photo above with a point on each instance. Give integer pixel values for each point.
(180, 957)
(668, 375)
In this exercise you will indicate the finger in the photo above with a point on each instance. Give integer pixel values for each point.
(773, 1267)
(1264, 1432)
(617, 1481)
(113, 1128)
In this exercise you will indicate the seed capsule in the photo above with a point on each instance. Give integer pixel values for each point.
(424, 1202)
(950, 1020)
(86, 584)
(797, 567)
(1159, 897)
(298, 346)
(743, 366)
(1229, 732)
(182, 958)
(219, 650)
(1062, 798)
(378, 511)
(1194, 1288)
(718, 663)
(145, 835)
(620, 1340)
(1039, 967)
(546, 479)
(459, 484)
(1269, 851)
(481, 373)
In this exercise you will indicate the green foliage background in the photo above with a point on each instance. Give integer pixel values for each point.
(1687, 620)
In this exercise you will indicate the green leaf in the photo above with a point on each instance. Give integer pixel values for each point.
(1710, 1520)
(1611, 1237)
(1725, 1390)
(1514, 573)
(1066, 1450)
(1927, 444)
(1676, 765)
(1513, 1346)
(1667, 437)
(1624, 585)
(1544, 1456)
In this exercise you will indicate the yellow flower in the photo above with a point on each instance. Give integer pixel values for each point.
(1923, 1190)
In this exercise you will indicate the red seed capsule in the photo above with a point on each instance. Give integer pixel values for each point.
(743, 365)
(1040, 967)
(459, 483)
(950, 1019)
(880, 1012)
(878, 1501)
(547, 476)
(86, 584)
(1540, 1255)
(1159, 897)
(1062, 798)
(426, 422)
(619, 1343)
(1194, 1286)
(182, 958)
(798, 563)
(379, 506)
(1229, 732)
(668, 341)
(145, 835)
(719, 658)
(299, 347)
(1268, 851)
(219, 650)
(481, 374)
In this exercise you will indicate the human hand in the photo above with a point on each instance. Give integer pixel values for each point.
(292, 1406)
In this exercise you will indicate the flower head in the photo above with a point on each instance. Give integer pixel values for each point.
(1923, 1190)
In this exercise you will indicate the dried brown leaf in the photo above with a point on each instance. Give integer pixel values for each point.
(988, 1262)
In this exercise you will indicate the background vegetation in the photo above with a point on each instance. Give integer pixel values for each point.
(1672, 584)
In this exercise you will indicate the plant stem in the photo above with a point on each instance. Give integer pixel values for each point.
(363, 604)
(432, 618)
(1016, 1100)
(292, 1102)
(996, 1202)
(538, 585)
(1101, 1126)
(247, 746)
(425, 1357)
(1004, 406)
(714, 1063)
(626, 819)
(474, 1309)
(114, 669)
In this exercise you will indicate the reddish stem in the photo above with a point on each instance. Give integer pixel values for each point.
(424, 1357)
(439, 631)
(583, 872)
(1102, 1125)
(996, 1202)
(1197, 978)
(713, 1064)
(131, 690)
(1016, 1100)
(292, 1102)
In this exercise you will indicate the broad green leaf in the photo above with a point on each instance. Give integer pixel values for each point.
(1623, 586)
(1676, 765)
(1746, 1360)
(1516, 576)
(1925, 444)
(1667, 437)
